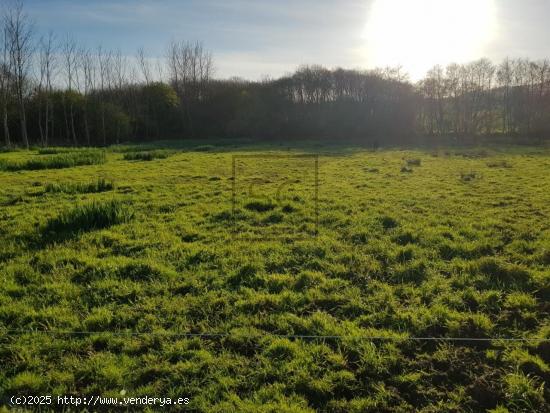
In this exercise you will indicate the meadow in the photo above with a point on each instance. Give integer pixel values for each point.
(251, 278)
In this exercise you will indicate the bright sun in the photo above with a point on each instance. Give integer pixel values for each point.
(418, 34)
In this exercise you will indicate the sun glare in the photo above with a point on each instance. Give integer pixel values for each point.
(420, 33)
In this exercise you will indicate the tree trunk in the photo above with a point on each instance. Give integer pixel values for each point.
(47, 122)
(117, 132)
(23, 117)
(53, 119)
(6, 126)
(40, 128)
(73, 131)
(86, 128)
(188, 112)
(66, 118)
(103, 124)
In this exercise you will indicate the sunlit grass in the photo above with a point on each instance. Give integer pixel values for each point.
(55, 161)
(457, 247)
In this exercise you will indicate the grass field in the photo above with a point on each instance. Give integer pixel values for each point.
(108, 258)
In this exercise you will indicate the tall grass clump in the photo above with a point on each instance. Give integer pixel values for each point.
(59, 161)
(132, 148)
(147, 155)
(58, 150)
(101, 185)
(48, 151)
(87, 217)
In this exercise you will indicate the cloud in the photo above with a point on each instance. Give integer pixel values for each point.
(250, 38)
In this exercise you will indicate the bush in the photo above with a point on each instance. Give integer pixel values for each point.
(87, 217)
(101, 185)
(65, 160)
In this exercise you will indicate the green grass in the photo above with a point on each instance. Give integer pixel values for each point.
(101, 185)
(54, 150)
(204, 148)
(56, 161)
(134, 148)
(414, 162)
(147, 155)
(458, 246)
(87, 217)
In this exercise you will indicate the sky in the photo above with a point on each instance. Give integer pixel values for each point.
(254, 39)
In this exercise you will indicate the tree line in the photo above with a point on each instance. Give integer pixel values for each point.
(512, 98)
(55, 91)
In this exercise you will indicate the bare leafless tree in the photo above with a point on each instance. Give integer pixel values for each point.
(104, 61)
(543, 82)
(120, 70)
(47, 62)
(87, 63)
(144, 66)
(433, 87)
(504, 81)
(70, 61)
(119, 79)
(19, 31)
(5, 84)
(145, 69)
(191, 68)
(161, 71)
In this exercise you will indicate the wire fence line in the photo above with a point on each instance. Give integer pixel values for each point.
(288, 336)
